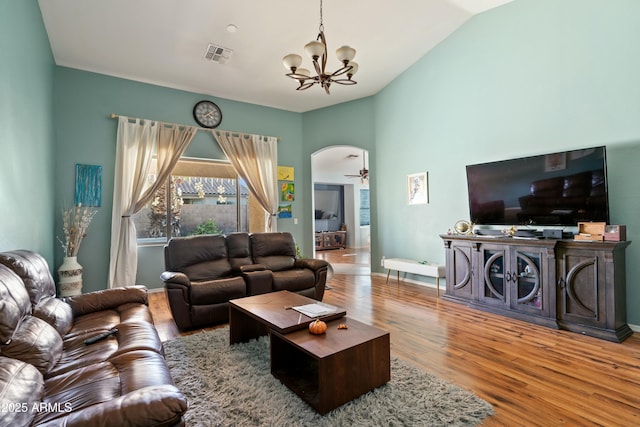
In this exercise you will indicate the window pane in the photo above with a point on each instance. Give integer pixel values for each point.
(365, 210)
(211, 205)
(151, 221)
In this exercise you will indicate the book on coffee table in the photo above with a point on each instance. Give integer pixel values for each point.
(318, 309)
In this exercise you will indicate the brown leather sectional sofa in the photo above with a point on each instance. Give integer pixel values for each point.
(49, 376)
(205, 272)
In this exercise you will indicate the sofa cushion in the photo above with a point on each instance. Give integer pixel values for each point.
(14, 303)
(98, 393)
(34, 272)
(131, 336)
(239, 250)
(35, 342)
(217, 291)
(293, 280)
(276, 251)
(55, 312)
(107, 319)
(199, 257)
(21, 386)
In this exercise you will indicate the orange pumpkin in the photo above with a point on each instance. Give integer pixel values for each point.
(317, 327)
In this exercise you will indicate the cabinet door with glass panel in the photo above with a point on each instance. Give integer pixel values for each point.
(514, 277)
(495, 275)
(527, 276)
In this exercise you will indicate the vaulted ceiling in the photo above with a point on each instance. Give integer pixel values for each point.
(163, 42)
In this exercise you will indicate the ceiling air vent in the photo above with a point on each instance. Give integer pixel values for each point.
(218, 54)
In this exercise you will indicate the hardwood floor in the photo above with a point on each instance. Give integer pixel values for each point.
(533, 376)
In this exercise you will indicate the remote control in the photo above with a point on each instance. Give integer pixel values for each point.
(100, 337)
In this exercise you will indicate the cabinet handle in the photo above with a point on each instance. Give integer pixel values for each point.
(509, 277)
(561, 283)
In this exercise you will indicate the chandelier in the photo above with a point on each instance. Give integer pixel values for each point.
(317, 50)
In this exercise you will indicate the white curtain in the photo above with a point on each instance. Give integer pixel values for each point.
(139, 144)
(255, 159)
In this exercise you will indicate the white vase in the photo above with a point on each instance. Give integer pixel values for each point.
(70, 277)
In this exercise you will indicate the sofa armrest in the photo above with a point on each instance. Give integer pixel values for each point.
(252, 267)
(258, 281)
(319, 268)
(107, 299)
(311, 263)
(175, 277)
(162, 405)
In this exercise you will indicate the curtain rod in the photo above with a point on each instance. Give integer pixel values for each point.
(115, 116)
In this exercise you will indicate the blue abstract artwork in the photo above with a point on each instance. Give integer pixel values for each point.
(88, 185)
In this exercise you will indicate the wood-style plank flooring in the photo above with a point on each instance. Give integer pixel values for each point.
(533, 376)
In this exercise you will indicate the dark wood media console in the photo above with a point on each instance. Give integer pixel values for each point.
(575, 285)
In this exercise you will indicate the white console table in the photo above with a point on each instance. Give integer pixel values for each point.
(423, 268)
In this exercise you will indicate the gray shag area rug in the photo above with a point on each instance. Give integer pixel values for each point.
(233, 386)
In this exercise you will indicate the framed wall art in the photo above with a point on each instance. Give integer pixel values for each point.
(287, 192)
(285, 211)
(418, 188)
(88, 185)
(285, 173)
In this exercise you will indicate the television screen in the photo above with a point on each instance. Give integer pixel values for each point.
(561, 188)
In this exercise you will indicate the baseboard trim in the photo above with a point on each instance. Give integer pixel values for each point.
(412, 281)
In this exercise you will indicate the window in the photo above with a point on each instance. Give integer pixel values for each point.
(365, 210)
(200, 197)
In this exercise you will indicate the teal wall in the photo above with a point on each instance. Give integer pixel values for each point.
(530, 77)
(26, 130)
(85, 133)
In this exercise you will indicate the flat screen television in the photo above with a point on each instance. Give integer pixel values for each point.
(555, 189)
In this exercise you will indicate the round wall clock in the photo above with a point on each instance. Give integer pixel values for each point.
(207, 114)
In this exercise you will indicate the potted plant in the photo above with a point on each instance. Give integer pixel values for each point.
(75, 222)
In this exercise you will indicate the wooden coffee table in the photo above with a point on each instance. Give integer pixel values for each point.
(255, 316)
(327, 370)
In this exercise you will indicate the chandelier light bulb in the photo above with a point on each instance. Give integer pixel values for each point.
(314, 49)
(292, 61)
(345, 54)
(303, 72)
(353, 70)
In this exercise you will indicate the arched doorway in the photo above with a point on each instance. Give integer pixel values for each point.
(339, 176)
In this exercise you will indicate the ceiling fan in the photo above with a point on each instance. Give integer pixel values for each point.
(364, 172)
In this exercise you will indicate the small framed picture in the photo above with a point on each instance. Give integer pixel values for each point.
(418, 188)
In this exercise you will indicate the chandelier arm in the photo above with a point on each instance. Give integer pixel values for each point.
(307, 85)
(346, 82)
(342, 70)
(323, 40)
(296, 76)
(319, 71)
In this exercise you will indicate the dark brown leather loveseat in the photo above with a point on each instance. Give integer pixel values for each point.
(205, 272)
(50, 377)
